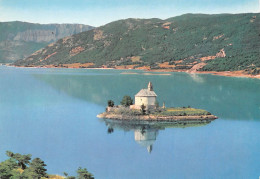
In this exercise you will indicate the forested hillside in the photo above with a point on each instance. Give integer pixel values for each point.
(189, 42)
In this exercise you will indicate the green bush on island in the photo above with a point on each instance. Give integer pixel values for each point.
(110, 103)
(126, 111)
(143, 109)
(127, 101)
(21, 166)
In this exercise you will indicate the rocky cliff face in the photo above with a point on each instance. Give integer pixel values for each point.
(20, 39)
(53, 33)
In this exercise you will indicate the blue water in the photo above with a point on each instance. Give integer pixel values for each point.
(51, 114)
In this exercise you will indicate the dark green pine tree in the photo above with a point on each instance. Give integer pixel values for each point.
(7, 168)
(23, 160)
(36, 169)
(84, 174)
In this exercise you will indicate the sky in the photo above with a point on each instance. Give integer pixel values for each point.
(100, 12)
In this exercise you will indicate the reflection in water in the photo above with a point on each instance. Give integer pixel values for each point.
(222, 96)
(196, 77)
(145, 133)
(146, 137)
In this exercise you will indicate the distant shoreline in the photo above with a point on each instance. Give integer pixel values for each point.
(221, 73)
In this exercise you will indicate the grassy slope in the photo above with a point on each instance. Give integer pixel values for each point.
(188, 37)
(183, 112)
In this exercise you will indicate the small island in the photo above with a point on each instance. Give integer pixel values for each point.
(146, 108)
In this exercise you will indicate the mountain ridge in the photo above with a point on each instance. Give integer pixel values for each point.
(222, 42)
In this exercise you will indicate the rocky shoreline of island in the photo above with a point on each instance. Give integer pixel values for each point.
(151, 117)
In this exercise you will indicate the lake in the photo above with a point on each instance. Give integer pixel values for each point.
(51, 114)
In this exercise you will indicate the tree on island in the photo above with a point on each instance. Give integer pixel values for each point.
(143, 109)
(157, 104)
(126, 101)
(110, 103)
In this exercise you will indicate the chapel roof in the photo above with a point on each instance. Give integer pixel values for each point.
(145, 92)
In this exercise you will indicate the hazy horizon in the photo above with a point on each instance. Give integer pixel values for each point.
(99, 12)
(124, 19)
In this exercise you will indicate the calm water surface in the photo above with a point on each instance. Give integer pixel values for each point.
(51, 114)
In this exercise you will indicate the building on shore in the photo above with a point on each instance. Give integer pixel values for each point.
(146, 97)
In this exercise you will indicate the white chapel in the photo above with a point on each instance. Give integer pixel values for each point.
(146, 97)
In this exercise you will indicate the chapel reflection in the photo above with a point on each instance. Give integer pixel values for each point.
(145, 133)
(146, 137)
